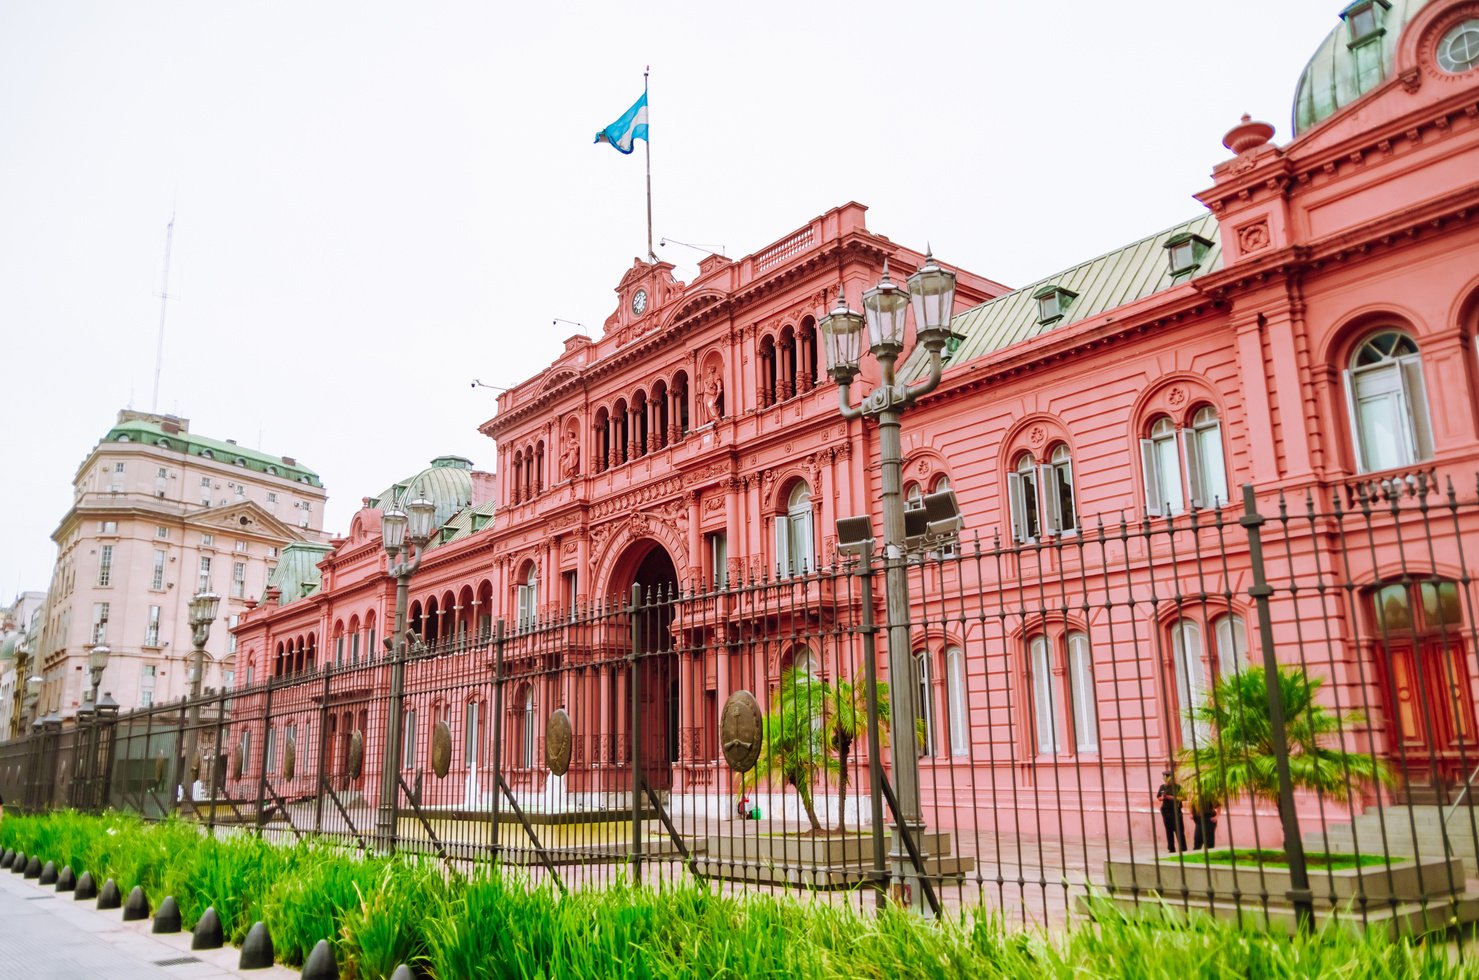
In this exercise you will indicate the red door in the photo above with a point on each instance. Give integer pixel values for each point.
(1432, 707)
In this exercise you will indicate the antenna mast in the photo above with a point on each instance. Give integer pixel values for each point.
(169, 237)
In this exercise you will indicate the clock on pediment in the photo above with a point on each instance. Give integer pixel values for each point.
(639, 302)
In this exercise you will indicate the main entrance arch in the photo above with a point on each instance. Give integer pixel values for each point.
(647, 565)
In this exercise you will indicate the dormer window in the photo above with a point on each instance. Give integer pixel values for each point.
(1185, 252)
(1052, 303)
(1364, 17)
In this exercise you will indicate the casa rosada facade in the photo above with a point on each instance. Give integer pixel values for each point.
(1312, 328)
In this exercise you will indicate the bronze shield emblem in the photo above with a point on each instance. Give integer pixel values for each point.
(290, 758)
(441, 749)
(356, 754)
(557, 740)
(740, 731)
(238, 763)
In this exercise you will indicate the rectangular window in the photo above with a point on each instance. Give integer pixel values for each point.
(238, 580)
(408, 742)
(1081, 690)
(354, 647)
(719, 561)
(339, 650)
(99, 622)
(105, 564)
(1161, 463)
(204, 585)
(271, 552)
(1058, 476)
(569, 588)
(147, 674)
(231, 622)
(157, 582)
(107, 527)
(960, 726)
(271, 498)
(207, 540)
(241, 547)
(271, 751)
(118, 467)
(528, 601)
(161, 531)
(205, 482)
(229, 680)
(151, 631)
(1022, 489)
(1045, 710)
(924, 704)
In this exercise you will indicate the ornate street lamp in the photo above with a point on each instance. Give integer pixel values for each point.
(97, 662)
(404, 533)
(931, 291)
(203, 609)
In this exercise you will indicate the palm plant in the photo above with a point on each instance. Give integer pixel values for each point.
(847, 722)
(795, 749)
(1236, 756)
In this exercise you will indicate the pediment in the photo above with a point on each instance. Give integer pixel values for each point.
(246, 516)
(555, 379)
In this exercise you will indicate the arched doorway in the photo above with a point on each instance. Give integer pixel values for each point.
(648, 566)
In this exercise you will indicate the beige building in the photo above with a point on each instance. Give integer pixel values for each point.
(160, 513)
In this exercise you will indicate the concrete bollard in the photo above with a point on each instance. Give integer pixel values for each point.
(66, 880)
(6, 858)
(321, 964)
(208, 933)
(33, 867)
(136, 909)
(256, 949)
(86, 889)
(403, 972)
(48, 874)
(167, 919)
(18, 863)
(108, 897)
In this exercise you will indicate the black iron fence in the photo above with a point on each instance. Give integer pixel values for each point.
(1264, 710)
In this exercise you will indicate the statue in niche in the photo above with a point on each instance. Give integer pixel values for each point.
(713, 394)
(570, 458)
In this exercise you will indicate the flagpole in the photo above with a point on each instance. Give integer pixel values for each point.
(651, 255)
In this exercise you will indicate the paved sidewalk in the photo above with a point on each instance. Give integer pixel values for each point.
(45, 935)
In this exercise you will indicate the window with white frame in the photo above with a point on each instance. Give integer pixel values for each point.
(241, 547)
(1022, 488)
(1046, 711)
(794, 547)
(408, 741)
(160, 531)
(107, 527)
(99, 622)
(528, 597)
(207, 540)
(942, 482)
(1160, 459)
(1062, 512)
(531, 728)
(1206, 468)
(204, 584)
(1231, 636)
(157, 581)
(118, 467)
(1191, 679)
(924, 703)
(105, 564)
(147, 675)
(956, 702)
(1081, 692)
(719, 561)
(1389, 405)
(231, 622)
(151, 630)
(238, 579)
(271, 751)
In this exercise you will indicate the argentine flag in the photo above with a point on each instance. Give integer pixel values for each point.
(631, 126)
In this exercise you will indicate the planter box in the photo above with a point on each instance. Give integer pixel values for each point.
(824, 861)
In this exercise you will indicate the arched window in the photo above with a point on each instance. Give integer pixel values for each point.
(956, 703)
(1062, 512)
(1081, 693)
(804, 663)
(1161, 461)
(1047, 712)
(794, 550)
(924, 703)
(1191, 679)
(1232, 645)
(1022, 487)
(1389, 405)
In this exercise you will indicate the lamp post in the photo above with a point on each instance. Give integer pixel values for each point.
(931, 291)
(97, 662)
(203, 609)
(404, 534)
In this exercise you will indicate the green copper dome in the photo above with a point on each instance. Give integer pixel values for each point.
(447, 482)
(1354, 58)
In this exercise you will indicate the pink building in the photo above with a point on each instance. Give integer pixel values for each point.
(1310, 331)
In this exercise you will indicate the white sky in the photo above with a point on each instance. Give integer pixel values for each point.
(378, 202)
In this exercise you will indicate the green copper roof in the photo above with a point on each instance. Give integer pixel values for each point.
(191, 444)
(468, 521)
(7, 649)
(1343, 69)
(297, 573)
(447, 482)
(1123, 276)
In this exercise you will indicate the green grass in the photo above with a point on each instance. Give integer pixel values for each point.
(1314, 859)
(379, 912)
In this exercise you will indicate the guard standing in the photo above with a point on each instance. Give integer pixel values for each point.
(1169, 796)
